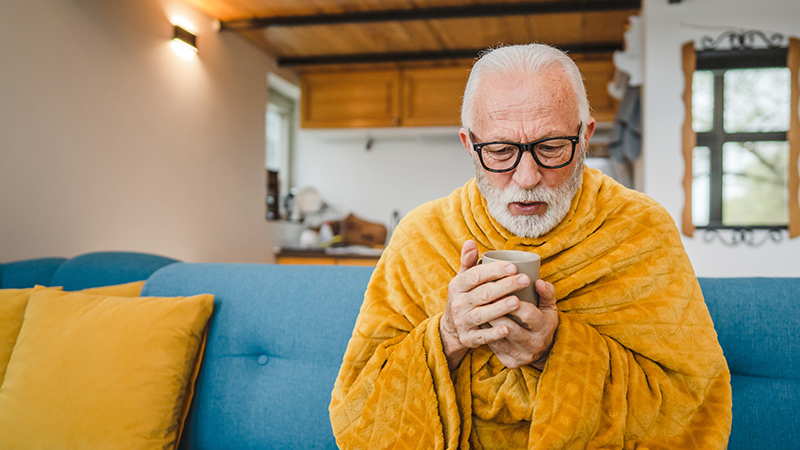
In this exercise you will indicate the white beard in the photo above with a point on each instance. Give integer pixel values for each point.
(558, 201)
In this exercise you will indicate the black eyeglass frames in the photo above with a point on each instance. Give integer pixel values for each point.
(549, 153)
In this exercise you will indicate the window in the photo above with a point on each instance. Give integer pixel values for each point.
(740, 117)
(736, 139)
(279, 132)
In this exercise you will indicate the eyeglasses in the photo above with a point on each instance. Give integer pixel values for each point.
(550, 153)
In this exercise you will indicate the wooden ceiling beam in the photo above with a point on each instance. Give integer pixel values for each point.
(398, 57)
(453, 12)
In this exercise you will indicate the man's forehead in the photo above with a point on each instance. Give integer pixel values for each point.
(547, 87)
(516, 101)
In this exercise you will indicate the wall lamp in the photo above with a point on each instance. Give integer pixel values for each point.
(184, 43)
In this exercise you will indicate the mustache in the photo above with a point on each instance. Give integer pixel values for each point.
(515, 194)
(537, 194)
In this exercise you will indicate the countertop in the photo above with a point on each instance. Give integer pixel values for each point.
(329, 252)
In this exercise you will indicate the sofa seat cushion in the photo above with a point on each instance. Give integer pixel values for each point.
(758, 323)
(764, 413)
(97, 371)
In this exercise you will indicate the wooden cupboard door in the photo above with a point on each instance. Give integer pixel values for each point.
(432, 96)
(350, 99)
(597, 74)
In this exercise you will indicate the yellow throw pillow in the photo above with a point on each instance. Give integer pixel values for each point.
(133, 289)
(95, 371)
(12, 311)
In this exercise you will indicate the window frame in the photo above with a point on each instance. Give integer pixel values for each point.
(716, 61)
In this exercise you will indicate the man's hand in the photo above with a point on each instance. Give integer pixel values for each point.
(477, 302)
(529, 345)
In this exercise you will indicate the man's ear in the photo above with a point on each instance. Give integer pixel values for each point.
(464, 135)
(591, 125)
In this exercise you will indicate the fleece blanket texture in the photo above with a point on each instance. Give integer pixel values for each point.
(635, 364)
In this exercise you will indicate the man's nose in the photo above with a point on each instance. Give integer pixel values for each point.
(527, 174)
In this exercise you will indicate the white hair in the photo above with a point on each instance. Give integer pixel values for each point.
(523, 59)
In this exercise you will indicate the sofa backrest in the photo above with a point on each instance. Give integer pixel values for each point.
(106, 268)
(758, 324)
(28, 273)
(275, 345)
(81, 272)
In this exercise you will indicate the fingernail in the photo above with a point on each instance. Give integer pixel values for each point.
(511, 302)
(510, 268)
(523, 280)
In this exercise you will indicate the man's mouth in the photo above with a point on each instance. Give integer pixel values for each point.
(527, 209)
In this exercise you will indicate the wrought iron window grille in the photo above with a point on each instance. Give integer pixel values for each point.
(751, 236)
(742, 40)
(736, 50)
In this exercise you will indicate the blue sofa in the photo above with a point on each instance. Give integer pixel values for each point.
(278, 335)
(81, 272)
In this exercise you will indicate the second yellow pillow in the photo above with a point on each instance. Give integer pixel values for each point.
(12, 312)
(94, 371)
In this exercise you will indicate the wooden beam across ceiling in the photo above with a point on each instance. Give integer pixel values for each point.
(400, 57)
(454, 12)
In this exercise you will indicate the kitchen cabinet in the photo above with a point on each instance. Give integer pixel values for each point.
(432, 96)
(418, 96)
(350, 99)
(382, 98)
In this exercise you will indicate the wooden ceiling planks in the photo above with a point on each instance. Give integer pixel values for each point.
(556, 29)
(428, 38)
(242, 9)
(358, 36)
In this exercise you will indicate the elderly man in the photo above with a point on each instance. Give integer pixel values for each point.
(620, 352)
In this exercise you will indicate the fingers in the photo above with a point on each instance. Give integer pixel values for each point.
(509, 354)
(480, 280)
(547, 295)
(528, 345)
(484, 335)
(471, 329)
(469, 256)
(529, 317)
(521, 346)
(482, 315)
(482, 275)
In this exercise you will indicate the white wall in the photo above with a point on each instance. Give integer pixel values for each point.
(110, 141)
(403, 169)
(666, 28)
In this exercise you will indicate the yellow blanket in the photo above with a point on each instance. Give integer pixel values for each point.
(635, 364)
